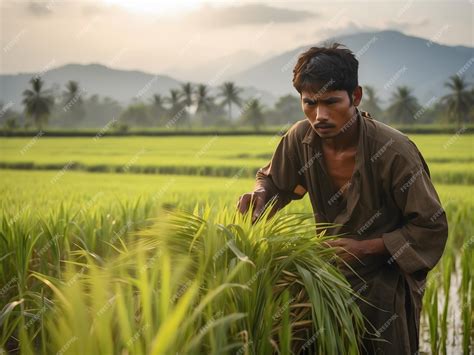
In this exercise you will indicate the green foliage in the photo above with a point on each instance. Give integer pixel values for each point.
(449, 157)
(76, 281)
(460, 101)
(38, 102)
(91, 261)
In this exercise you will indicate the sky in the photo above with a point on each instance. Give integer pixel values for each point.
(182, 35)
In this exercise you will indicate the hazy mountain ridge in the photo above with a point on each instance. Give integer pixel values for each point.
(387, 59)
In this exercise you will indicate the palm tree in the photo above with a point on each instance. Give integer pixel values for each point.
(459, 102)
(38, 102)
(177, 110)
(157, 100)
(72, 92)
(73, 103)
(174, 98)
(404, 105)
(204, 103)
(187, 94)
(203, 100)
(230, 93)
(157, 107)
(371, 102)
(253, 113)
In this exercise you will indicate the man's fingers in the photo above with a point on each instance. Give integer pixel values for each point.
(259, 207)
(327, 244)
(343, 249)
(340, 251)
(256, 201)
(339, 247)
(335, 243)
(244, 203)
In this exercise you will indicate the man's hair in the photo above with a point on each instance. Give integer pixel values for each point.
(331, 67)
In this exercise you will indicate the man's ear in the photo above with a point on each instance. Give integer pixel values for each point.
(357, 96)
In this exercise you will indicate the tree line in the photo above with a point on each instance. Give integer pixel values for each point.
(193, 105)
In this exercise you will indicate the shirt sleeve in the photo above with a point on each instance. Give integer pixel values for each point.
(283, 176)
(419, 243)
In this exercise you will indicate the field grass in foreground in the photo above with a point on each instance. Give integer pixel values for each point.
(93, 261)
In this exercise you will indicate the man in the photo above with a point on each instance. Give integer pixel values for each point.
(373, 183)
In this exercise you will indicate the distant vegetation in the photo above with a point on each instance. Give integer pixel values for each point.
(195, 106)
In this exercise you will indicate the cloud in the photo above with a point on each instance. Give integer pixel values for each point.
(70, 9)
(405, 25)
(93, 9)
(348, 28)
(251, 14)
(38, 8)
(353, 27)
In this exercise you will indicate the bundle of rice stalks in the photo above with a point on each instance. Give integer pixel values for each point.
(208, 283)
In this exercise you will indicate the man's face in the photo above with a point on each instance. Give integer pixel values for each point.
(330, 111)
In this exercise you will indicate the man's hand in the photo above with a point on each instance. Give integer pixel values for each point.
(257, 201)
(350, 249)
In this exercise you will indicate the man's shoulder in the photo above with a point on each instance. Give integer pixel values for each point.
(298, 130)
(386, 140)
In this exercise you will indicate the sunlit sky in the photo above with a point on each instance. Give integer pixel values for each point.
(183, 35)
(157, 7)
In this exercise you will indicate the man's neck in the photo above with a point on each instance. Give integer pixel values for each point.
(346, 139)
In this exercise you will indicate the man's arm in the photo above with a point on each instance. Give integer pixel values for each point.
(349, 249)
(281, 180)
(419, 243)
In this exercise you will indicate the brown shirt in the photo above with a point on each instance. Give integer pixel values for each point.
(390, 195)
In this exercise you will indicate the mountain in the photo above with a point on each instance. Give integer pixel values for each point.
(387, 59)
(218, 68)
(123, 86)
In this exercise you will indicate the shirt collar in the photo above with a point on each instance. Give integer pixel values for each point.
(312, 138)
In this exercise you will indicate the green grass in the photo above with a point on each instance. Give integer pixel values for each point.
(33, 190)
(214, 265)
(89, 259)
(434, 128)
(449, 156)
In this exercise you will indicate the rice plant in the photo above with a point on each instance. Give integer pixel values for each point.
(90, 244)
(226, 285)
